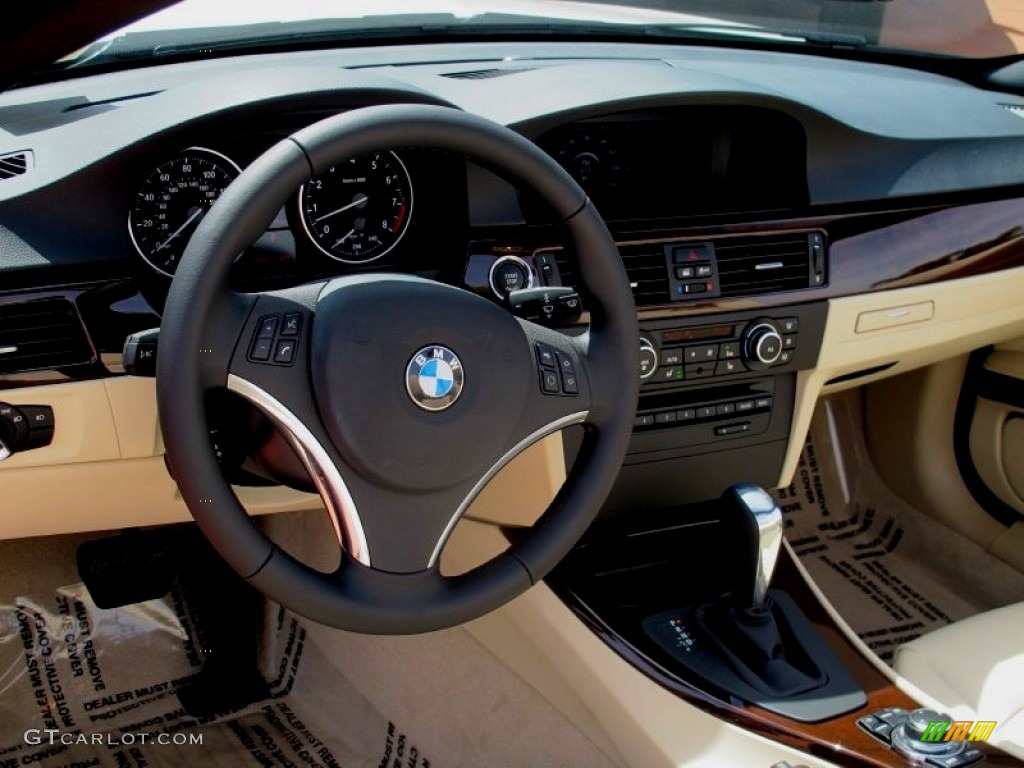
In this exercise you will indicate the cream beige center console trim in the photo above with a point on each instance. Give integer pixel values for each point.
(942, 320)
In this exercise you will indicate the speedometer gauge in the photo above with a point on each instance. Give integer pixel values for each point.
(173, 200)
(358, 210)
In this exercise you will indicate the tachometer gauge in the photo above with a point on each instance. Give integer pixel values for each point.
(358, 210)
(173, 200)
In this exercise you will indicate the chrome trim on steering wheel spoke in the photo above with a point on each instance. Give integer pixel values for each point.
(335, 494)
(548, 429)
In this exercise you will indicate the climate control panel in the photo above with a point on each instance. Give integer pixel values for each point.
(676, 354)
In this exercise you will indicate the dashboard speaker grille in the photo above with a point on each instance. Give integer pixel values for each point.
(486, 74)
(763, 263)
(42, 334)
(15, 164)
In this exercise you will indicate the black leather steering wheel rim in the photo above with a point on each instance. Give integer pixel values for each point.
(204, 328)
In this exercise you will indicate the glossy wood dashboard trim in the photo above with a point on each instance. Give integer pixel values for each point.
(868, 250)
(838, 740)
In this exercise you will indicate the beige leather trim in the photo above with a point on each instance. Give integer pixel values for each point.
(105, 468)
(997, 448)
(968, 313)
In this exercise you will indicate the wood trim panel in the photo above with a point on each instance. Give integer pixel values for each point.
(868, 251)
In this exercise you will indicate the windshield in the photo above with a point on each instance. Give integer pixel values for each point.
(966, 28)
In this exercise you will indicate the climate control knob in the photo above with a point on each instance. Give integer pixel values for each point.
(762, 344)
(648, 359)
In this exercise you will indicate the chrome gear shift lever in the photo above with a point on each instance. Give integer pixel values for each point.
(759, 521)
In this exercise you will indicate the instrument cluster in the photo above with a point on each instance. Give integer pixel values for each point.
(354, 215)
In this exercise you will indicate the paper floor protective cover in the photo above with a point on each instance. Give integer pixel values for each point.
(82, 686)
(891, 571)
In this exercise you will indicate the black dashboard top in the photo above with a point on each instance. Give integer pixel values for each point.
(691, 131)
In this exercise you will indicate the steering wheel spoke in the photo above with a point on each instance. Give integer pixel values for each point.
(269, 368)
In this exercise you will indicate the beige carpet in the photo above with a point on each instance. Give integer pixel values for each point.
(892, 572)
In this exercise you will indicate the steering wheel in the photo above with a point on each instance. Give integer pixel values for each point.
(402, 396)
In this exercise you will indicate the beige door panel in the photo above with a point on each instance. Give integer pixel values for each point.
(997, 431)
(997, 439)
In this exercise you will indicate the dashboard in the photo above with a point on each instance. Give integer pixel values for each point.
(765, 206)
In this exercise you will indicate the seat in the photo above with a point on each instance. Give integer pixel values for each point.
(974, 670)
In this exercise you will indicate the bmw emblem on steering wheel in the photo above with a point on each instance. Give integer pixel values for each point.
(434, 378)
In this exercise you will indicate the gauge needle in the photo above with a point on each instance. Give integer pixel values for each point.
(179, 230)
(344, 208)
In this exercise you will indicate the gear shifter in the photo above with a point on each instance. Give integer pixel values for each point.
(754, 644)
(759, 523)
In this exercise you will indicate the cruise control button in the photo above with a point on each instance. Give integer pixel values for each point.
(285, 351)
(292, 323)
(261, 349)
(268, 327)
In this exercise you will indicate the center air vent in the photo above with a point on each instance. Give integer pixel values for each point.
(15, 164)
(772, 263)
(41, 334)
(645, 267)
(744, 265)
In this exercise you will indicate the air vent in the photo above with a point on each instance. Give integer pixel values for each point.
(768, 264)
(41, 334)
(15, 164)
(645, 267)
(486, 74)
(746, 266)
